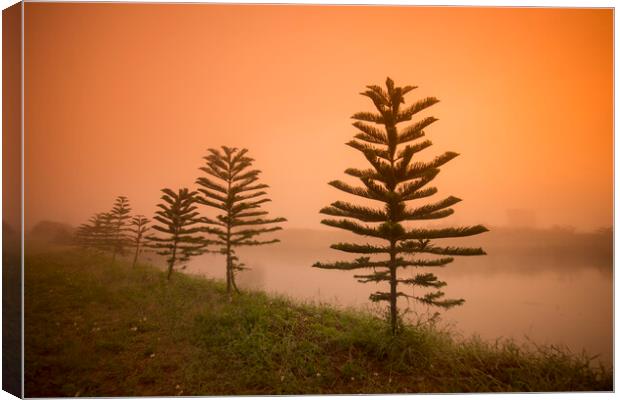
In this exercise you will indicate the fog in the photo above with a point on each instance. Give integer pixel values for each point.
(526, 99)
(551, 286)
(536, 286)
(126, 102)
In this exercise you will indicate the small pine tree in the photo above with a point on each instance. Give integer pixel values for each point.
(105, 232)
(237, 194)
(178, 226)
(119, 215)
(393, 180)
(138, 228)
(97, 233)
(84, 234)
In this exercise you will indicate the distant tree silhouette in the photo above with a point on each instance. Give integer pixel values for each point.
(97, 233)
(230, 185)
(119, 216)
(393, 180)
(138, 227)
(52, 232)
(178, 225)
(84, 234)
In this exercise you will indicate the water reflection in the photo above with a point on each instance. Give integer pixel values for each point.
(550, 286)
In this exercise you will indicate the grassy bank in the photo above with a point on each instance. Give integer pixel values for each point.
(94, 328)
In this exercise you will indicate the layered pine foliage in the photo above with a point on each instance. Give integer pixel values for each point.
(119, 217)
(179, 227)
(138, 228)
(231, 186)
(96, 233)
(107, 231)
(394, 178)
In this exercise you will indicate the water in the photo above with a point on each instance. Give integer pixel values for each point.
(545, 287)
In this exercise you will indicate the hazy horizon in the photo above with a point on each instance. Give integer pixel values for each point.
(323, 228)
(501, 231)
(125, 99)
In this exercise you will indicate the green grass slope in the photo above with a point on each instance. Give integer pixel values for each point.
(93, 328)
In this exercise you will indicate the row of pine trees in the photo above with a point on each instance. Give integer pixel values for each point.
(178, 231)
(230, 186)
(114, 231)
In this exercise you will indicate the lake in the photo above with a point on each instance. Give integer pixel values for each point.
(545, 287)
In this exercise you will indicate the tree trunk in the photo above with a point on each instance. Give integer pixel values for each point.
(228, 274)
(393, 309)
(234, 284)
(391, 219)
(228, 260)
(171, 262)
(115, 243)
(135, 256)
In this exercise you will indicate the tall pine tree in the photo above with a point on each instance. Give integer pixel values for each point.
(178, 226)
(394, 179)
(120, 215)
(230, 185)
(138, 227)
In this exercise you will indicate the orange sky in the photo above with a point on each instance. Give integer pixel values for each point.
(126, 98)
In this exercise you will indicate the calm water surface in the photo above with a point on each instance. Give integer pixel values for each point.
(526, 291)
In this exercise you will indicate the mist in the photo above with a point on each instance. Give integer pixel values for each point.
(525, 99)
(191, 171)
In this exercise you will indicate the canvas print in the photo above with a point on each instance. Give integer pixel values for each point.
(227, 199)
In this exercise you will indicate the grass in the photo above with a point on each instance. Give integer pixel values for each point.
(93, 328)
